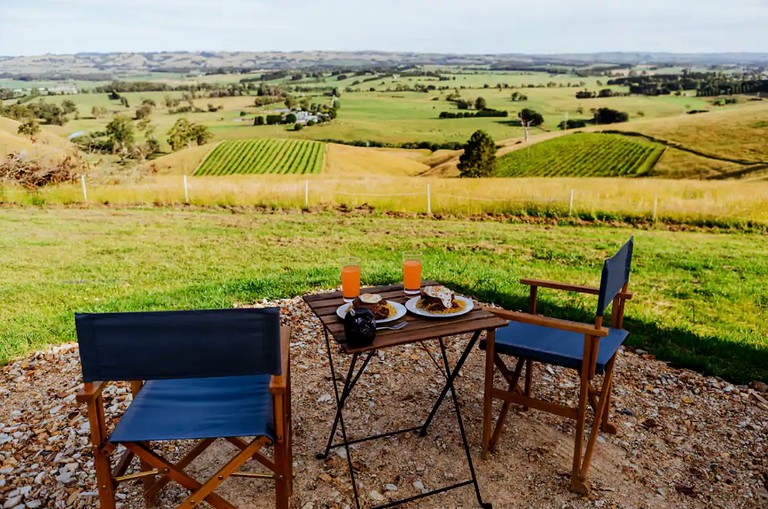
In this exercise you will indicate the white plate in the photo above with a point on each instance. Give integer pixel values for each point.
(399, 308)
(410, 305)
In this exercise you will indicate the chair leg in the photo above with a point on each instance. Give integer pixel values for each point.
(596, 424)
(506, 405)
(490, 353)
(606, 425)
(528, 380)
(577, 483)
(284, 456)
(106, 487)
(106, 484)
(283, 479)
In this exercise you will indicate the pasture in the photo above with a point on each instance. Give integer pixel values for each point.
(700, 298)
(582, 155)
(393, 116)
(723, 204)
(263, 156)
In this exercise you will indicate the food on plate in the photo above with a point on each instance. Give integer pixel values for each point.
(376, 303)
(439, 299)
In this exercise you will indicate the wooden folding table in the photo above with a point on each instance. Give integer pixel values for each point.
(419, 329)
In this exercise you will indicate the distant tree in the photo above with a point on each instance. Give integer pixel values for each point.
(29, 128)
(98, 111)
(148, 102)
(290, 118)
(609, 116)
(479, 157)
(185, 132)
(480, 104)
(529, 118)
(144, 111)
(533, 117)
(290, 102)
(120, 133)
(463, 104)
(298, 127)
(305, 104)
(258, 120)
(200, 134)
(572, 124)
(68, 106)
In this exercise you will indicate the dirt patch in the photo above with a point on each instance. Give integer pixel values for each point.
(684, 440)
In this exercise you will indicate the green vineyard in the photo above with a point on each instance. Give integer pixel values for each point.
(264, 156)
(582, 155)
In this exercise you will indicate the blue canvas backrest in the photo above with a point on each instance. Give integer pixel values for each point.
(615, 275)
(178, 344)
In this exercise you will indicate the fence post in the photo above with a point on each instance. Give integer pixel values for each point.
(655, 206)
(306, 194)
(570, 204)
(429, 201)
(186, 191)
(85, 191)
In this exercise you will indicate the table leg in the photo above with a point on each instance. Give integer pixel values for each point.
(349, 383)
(451, 377)
(465, 442)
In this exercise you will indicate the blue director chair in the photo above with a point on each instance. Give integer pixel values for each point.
(195, 375)
(588, 348)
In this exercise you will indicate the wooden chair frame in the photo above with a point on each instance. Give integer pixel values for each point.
(597, 397)
(156, 472)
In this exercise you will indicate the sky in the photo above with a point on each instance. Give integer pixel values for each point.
(34, 27)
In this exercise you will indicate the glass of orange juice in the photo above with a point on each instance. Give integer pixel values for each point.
(350, 278)
(412, 272)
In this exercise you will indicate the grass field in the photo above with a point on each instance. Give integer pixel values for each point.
(393, 116)
(264, 156)
(700, 297)
(582, 155)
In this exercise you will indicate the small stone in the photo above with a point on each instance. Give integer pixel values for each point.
(12, 502)
(325, 398)
(390, 487)
(376, 496)
(418, 485)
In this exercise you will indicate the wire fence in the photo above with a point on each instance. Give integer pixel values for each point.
(730, 201)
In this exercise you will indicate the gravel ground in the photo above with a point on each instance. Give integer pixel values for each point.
(684, 440)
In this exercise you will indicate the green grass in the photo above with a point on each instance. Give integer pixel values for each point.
(582, 155)
(700, 298)
(264, 156)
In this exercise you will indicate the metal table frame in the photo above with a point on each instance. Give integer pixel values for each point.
(358, 364)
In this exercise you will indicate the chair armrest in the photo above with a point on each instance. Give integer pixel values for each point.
(90, 391)
(545, 321)
(279, 383)
(555, 285)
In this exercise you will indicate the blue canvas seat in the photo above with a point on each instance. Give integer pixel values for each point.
(195, 376)
(588, 348)
(237, 406)
(555, 346)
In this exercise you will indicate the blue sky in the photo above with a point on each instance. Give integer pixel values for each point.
(30, 27)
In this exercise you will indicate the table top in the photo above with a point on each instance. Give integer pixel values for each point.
(419, 328)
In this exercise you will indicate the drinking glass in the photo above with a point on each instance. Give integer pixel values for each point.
(350, 278)
(412, 272)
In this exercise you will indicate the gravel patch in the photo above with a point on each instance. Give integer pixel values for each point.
(684, 440)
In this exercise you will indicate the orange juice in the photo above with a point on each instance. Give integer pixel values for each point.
(350, 282)
(412, 275)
